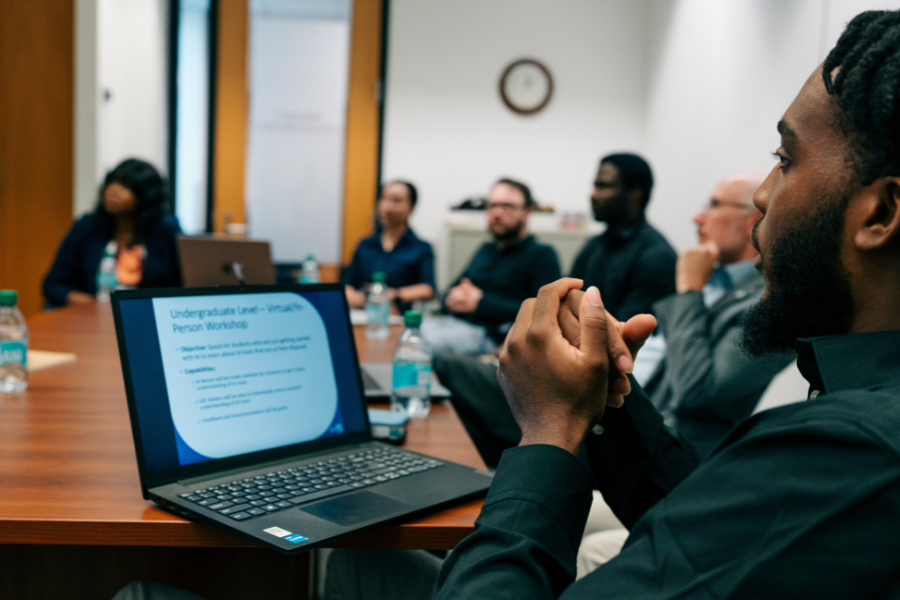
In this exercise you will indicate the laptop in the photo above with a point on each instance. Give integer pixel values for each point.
(248, 413)
(377, 382)
(208, 261)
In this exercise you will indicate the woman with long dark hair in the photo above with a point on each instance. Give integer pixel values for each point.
(128, 241)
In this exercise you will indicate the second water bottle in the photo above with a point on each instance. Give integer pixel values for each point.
(378, 308)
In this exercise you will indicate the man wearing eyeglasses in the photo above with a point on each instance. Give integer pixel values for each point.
(704, 385)
(502, 274)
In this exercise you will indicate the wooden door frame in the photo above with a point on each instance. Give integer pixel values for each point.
(362, 156)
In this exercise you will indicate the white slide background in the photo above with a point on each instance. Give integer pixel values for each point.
(238, 390)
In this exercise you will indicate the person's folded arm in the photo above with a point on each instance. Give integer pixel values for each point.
(529, 530)
(426, 269)
(63, 275)
(637, 460)
(352, 275)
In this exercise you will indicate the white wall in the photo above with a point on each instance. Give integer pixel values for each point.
(192, 116)
(696, 85)
(132, 39)
(722, 75)
(446, 128)
(298, 72)
(87, 93)
(127, 40)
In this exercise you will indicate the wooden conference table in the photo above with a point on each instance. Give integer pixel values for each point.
(72, 520)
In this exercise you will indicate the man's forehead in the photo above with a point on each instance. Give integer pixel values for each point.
(738, 187)
(810, 116)
(506, 192)
(608, 172)
(729, 190)
(395, 189)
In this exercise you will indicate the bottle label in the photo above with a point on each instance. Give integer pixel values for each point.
(378, 313)
(106, 280)
(411, 374)
(12, 351)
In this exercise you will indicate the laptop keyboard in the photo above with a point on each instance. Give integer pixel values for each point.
(244, 499)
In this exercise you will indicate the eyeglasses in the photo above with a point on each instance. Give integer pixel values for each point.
(714, 204)
(504, 206)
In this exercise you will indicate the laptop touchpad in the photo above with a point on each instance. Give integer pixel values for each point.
(355, 508)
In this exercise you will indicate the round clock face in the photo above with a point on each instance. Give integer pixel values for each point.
(526, 86)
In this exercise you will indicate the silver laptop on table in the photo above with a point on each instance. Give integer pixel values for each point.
(247, 411)
(377, 382)
(208, 260)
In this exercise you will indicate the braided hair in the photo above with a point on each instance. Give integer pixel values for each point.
(862, 73)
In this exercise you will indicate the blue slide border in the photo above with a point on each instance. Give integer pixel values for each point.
(163, 448)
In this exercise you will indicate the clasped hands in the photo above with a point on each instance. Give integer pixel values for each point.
(463, 298)
(564, 360)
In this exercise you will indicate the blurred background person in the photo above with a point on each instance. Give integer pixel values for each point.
(132, 226)
(631, 263)
(407, 261)
(483, 302)
(692, 369)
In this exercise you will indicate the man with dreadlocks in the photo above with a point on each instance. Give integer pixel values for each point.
(798, 502)
(802, 501)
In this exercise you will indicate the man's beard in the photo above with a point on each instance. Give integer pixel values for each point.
(508, 234)
(808, 288)
(612, 209)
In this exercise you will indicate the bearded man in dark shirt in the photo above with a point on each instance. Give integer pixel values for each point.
(801, 501)
(631, 263)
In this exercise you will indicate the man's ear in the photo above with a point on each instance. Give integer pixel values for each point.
(878, 210)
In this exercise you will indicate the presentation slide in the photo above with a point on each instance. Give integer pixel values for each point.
(246, 372)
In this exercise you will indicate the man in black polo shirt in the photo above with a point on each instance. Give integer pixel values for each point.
(801, 501)
(631, 263)
(484, 300)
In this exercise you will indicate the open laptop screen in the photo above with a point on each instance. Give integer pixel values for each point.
(222, 375)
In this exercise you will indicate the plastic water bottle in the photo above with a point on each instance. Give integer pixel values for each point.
(411, 384)
(310, 273)
(106, 275)
(13, 344)
(378, 308)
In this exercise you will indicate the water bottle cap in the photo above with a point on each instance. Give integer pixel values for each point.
(310, 257)
(8, 297)
(379, 277)
(412, 318)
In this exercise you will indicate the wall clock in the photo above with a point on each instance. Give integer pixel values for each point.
(526, 86)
